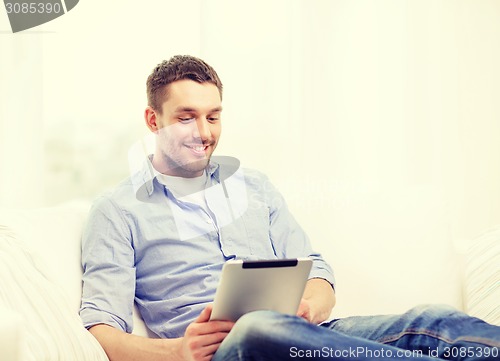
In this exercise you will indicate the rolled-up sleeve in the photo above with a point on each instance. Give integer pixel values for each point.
(108, 268)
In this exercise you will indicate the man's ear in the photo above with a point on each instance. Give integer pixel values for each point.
(151, 118)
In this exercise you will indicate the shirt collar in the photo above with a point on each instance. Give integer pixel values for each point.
(146, 177)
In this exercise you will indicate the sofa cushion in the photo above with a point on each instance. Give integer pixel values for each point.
(50, 328)
(52, 236)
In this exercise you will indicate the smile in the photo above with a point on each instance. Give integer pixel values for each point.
(198, 149)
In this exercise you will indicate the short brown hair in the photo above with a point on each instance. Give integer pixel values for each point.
(177, 68)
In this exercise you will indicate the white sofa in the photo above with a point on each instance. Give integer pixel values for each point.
(40, 283)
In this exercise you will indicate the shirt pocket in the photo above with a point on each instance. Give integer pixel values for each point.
(257, 226)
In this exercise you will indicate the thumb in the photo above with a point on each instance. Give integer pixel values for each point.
(303, 310)
(204, 315)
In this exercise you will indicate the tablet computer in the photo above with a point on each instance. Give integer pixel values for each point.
(246, 286)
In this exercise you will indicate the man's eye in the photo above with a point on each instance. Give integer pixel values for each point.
(213, 117)
(186, 120)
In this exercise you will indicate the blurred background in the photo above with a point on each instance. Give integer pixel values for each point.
(378, 120)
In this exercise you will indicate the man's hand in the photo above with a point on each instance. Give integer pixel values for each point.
(307, 312)
(317, 301)
(304, 310)
(203, 337)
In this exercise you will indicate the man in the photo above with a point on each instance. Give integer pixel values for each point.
(162, 236)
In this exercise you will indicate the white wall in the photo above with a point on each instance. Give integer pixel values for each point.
(21, 123)
(380, 121)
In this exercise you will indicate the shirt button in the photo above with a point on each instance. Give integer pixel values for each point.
(208, 220)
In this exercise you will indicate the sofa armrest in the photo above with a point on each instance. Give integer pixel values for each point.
(10, 335)
(140, 328)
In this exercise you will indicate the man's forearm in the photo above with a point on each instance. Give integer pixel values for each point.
(121, 346)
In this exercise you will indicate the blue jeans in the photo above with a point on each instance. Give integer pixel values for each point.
(423, 333)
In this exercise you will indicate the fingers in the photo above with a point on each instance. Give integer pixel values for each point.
(207, 328)
(206, 341)
(204, 316)
(202, 325)
(203, 337)
(204, 345)
(204, 353)
(304, 311)
(202, 340)
(303, 308)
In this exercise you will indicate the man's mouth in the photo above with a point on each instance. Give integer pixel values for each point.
(198, 149)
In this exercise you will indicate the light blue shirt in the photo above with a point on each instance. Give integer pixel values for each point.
(142, 243)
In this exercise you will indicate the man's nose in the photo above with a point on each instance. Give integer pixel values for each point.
(202, 129)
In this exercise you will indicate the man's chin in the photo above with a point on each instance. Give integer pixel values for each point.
(193, 169)
(187, 167)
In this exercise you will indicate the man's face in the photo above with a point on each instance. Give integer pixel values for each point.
(188, 128)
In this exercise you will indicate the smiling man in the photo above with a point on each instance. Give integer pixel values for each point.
(161, 237)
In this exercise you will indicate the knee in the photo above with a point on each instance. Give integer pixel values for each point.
(256, 325)
(255, 335)
(259, 327)
(432, 312)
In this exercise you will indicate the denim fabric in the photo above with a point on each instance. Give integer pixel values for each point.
(423, 333)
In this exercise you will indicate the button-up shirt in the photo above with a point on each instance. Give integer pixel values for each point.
(143, 244)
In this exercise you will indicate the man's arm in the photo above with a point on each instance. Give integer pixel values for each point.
(290, 241)
(108, 258)
(317, 302)
(201, 340)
